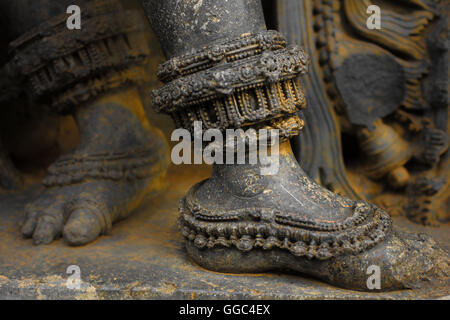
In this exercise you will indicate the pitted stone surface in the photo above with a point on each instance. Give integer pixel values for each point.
(144, 258)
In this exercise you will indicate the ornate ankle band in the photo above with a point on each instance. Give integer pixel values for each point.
(249, 80)
(130, 165)
(64, 68)
(248, 45)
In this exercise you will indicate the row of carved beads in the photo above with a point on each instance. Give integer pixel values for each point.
(247, 235)
(246, 46)
(52, 39)
(225, 79)
(326, 16)
(60, 67)
(119, 166)
(245, 106)
(115, 53)
(84, 91)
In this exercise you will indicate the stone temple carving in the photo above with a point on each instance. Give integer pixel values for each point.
(93, 75)
(365, 110)
(386, 91)
(237, 78)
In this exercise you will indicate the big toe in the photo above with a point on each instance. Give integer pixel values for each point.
(402, 261)
(82, 227)
(424, 261)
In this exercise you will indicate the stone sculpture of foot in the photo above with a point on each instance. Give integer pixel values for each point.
(288, 222)
(93, 74)
(226, 70)
(119, 161)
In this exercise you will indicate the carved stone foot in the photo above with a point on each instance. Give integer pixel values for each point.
(119, 161)
(235, 74)
(242, 221)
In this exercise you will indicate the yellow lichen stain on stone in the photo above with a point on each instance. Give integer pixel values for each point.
(167, 288)
(90, 293)
(197, 6)
(39, 295)
(209, 283)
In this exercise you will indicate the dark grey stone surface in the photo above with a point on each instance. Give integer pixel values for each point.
(145, 258)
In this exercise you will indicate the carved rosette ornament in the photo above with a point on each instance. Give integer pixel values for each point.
(128, 166)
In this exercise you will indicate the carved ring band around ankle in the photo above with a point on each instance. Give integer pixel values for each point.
(65, 68)
(267, 228)
(247, 81)
(269, 67)
(246, 46)
(127, 165)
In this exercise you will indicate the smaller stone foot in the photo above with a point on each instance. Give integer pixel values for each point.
(120, 160)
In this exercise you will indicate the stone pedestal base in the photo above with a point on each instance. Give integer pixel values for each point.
(145, 258)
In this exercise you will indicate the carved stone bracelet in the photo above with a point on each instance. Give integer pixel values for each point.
(65, 68)
(128, 165)
(246, 46)
(249, 80)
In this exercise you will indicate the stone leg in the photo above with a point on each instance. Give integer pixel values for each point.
(225, 69)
